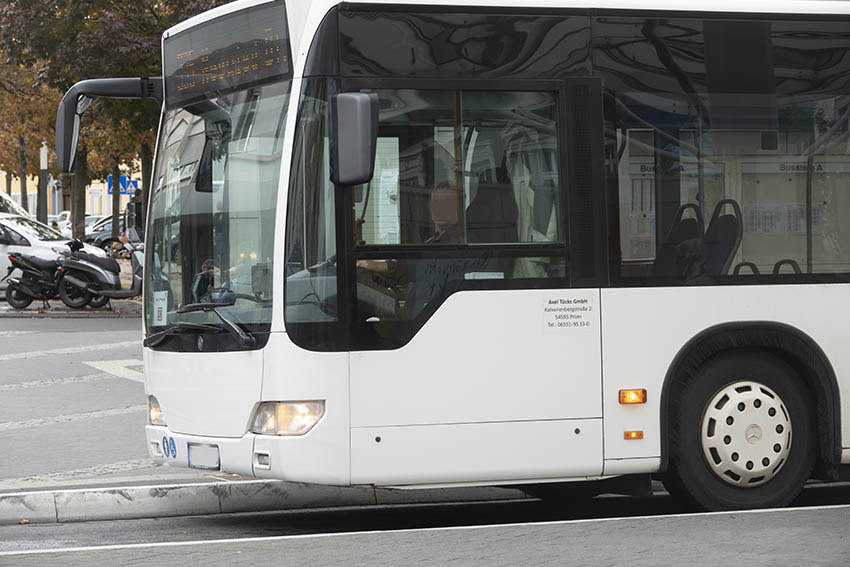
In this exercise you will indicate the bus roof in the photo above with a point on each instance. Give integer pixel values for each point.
(725, 6)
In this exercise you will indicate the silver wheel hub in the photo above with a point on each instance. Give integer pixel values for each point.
(746, 434)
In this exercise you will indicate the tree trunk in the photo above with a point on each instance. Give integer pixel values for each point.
(116, 199)
(22, 172)
(8, 183)
(146, 157)
(78, 194)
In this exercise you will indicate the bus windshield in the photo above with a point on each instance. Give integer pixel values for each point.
(215, 182)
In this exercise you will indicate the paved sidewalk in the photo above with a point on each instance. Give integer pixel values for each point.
(124, 308)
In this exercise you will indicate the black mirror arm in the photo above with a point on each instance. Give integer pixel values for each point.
(69, 108)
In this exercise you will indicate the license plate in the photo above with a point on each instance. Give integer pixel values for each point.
(203, 456)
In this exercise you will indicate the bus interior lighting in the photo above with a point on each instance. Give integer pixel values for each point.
(633, 396)
(287, 418)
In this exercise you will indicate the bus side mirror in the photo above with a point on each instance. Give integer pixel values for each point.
(79, 98)
(71, 108)
(354, 137)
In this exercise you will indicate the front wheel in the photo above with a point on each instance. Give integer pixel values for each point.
(746, 436)
(72, 296)
(16, 298)
(98, 301)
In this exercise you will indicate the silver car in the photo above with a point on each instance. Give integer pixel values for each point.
(28, 236)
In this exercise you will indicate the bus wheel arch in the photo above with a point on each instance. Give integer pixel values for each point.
(786, 343)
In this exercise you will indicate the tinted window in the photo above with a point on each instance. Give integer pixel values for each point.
(731, 145)
(463, 45)
(14, 237)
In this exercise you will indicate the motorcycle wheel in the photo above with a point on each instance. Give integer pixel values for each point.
(17, 299)
(72, 296)
(98, 301)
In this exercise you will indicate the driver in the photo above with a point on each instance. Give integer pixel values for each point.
(429, 277)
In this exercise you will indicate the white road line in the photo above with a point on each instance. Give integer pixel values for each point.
(12, 425)
(55, 381)
(63, 476)
(15, 333)
(119, 368)
(70, 350)
(412, 530)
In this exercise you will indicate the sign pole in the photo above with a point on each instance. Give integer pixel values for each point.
(41, 210)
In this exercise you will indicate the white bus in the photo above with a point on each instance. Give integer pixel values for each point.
(419, 244)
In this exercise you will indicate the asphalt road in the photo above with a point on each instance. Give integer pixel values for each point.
(72, 399)
(515, 533)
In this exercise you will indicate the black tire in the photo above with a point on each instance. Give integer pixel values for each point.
(17, 299)
(696, 431)
(72, 296)
(98, 301)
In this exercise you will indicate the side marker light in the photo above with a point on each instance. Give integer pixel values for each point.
(637, 434)
(633, 396)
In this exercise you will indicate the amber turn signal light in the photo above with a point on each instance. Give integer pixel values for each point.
(638, 434)
(632, 396)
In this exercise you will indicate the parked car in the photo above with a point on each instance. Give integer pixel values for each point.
(63, 219)
(19, 233)
(92, 220)
(10, 207)
(100, 234)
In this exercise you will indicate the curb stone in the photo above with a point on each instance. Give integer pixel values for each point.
(125, 310)
(155, 501)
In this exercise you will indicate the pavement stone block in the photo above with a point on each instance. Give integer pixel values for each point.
(33, 507)
(136, 502)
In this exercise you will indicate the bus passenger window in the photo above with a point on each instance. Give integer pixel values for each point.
(723, 165)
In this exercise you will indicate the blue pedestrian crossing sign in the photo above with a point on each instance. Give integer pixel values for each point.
(128, 186)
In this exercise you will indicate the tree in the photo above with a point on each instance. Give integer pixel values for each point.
(26, 119)
(81, 39)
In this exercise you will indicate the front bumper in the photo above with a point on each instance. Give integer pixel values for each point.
(235, 454)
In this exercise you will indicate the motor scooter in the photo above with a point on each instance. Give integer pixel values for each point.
(92, 275)
(40, 279)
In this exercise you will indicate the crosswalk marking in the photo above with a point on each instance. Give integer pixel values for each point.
(55, 381)
(70, 350)
(13, 425)
(119, 368)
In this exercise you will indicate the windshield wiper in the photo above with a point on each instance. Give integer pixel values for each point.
(246, 339)
(175, 328)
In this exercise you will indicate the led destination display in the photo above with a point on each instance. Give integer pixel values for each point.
(204, 61)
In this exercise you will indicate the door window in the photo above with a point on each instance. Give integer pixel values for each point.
(466, 188)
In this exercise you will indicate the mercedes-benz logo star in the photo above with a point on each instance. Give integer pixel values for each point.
(753, 434)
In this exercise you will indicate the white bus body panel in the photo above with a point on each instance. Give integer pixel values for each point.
(205, 393)
(488, 358)
(292, 373)
(481, 452)
(643, 329)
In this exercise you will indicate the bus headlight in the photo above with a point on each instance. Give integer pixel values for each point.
(154, 412)
(287, 418)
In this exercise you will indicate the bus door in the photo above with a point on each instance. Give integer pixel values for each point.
(475, 356)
